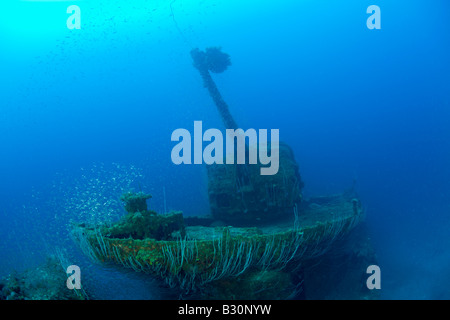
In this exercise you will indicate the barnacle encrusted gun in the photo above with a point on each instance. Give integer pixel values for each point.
(238, 194)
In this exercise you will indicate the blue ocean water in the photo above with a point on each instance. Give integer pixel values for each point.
(88, 113)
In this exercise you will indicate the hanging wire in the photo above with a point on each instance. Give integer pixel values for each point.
(172, 14)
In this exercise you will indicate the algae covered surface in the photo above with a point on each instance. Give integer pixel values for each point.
(210, 261)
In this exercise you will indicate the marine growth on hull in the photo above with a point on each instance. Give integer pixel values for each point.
(196, 256)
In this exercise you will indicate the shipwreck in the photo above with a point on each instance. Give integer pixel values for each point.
(260, 241)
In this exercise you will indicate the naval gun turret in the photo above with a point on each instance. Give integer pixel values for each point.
(238, 193)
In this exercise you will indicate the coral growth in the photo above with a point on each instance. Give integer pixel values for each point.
(146, 224)
(212, 59)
